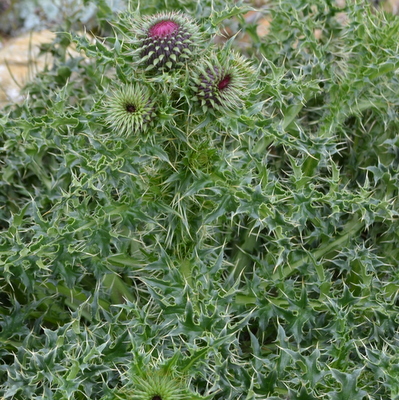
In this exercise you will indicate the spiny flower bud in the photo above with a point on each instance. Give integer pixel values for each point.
(221, 82)
(157, 386)
(130, 109)
(165, 40)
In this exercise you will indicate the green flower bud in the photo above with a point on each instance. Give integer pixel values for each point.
(158, 387)
(130, 109)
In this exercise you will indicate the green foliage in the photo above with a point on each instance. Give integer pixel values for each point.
(246, 253)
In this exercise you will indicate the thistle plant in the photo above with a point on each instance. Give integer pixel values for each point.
(189, 217)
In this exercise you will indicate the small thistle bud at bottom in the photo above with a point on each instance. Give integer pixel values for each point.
(220, 83)
(158, 387)
(165, 40)
(130, 109)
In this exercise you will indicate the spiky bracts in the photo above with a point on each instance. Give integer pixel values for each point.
(165, 40)
(155, 386)
(130, 109)
(220, 82)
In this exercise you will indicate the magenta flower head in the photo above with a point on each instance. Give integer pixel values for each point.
(221, 82)
(165, 40)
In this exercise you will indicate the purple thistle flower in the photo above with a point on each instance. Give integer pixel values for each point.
(165, 40)
(220, 83)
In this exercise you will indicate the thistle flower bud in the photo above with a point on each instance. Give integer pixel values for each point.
(130, 109)
(157, 386)
(165, 40)
(220, 83)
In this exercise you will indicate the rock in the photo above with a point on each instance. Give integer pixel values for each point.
(19, 62)
(393, 6)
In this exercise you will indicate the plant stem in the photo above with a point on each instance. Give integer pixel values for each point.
(350, 229)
